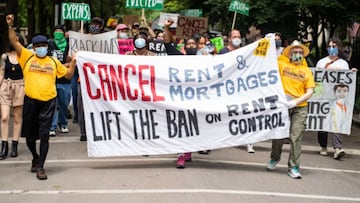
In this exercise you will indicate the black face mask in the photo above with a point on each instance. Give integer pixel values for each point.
(190, 51)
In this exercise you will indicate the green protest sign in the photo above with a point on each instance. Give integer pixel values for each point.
(145, 4)
(192, 12)
(218, 43)
(240, 7)
(76, 11)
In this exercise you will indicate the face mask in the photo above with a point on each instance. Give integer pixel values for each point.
(41, 51)
(236, 42)
(59, 35)
(140, 43)
(278, 43)
(94, 28)
(123, 35)
(296, 57)
(191, 51)
(333, 51)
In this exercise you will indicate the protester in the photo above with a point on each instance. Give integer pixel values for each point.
(298, 83)
(141, 46)
(332, 62)
(278, 43)
(59, 48)
(40, 72)
(190, 48)
(96, 26)
(234, 42)
(122, 31)
(11, 95)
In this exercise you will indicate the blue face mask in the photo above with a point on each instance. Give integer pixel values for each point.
(278, 43)
(140, 43)
(41, 51)
(333, 51)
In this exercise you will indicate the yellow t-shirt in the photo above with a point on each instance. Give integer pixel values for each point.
(295, 79)
(40, 75)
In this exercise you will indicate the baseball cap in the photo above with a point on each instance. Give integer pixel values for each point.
(121, 27)
(97, 20)
(39, 39)
(136, 25)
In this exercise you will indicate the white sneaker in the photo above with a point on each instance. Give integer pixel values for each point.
(52, 133)
(271, 166)
(250, 148)
(323, 151)
(294, 173)
(339, 153)
(64, 129)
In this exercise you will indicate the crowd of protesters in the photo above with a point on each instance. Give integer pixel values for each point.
(40, 99)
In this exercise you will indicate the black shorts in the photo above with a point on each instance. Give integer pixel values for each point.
(37, 118)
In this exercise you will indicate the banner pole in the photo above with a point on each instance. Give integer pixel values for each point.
(233, 24)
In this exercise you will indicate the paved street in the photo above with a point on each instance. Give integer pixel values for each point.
(226, 175)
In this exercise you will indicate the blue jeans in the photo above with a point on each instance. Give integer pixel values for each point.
(62, 103)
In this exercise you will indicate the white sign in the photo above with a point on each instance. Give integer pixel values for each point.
(136, 105)
(103, 43)
(331, 106)
(165, 16)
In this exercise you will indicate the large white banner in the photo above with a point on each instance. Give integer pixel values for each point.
(332, 104)
(136, 105)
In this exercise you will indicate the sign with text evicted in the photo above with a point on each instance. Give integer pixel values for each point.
(136, 105)
(76, 11)
(145, 4)
(240, 7)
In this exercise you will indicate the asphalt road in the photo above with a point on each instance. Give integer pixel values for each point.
(226, 175)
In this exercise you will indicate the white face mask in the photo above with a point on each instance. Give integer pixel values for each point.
(236, 42)
(123, 35)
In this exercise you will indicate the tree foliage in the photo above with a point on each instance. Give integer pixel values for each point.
(294, 18)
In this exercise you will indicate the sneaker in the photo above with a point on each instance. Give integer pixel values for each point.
(41, 174)
(323, 151)
(83, 138)
(52, 133)
(271, 166)
(187, 157)
(180, 163)
(34, 165)
(294, 173)
(338, 153)
(64, 129)
(250, 148)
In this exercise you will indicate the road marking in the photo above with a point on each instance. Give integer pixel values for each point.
(171, 191)
(149, 159)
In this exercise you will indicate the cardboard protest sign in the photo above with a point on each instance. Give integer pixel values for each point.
(188, 26)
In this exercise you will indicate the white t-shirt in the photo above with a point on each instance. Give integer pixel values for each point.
(339, 64)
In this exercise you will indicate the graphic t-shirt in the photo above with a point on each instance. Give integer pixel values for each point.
(40, 75)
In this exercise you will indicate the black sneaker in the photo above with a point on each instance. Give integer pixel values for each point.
(83, 138)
